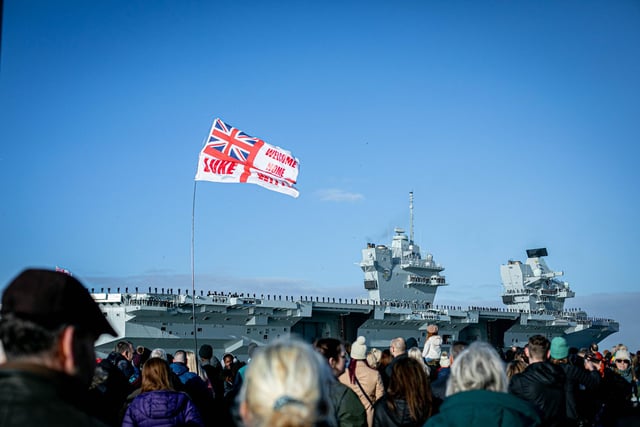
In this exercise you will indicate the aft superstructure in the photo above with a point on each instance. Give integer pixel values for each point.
(533, 286)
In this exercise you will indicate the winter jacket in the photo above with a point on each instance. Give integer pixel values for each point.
(162, 408)
(543, 385)
(196, 389)
(32, 395)
(371, 383)
(577, 379)
(431, 350)
(348, 409)
(384, 417)
(483, 408)
(439, 388)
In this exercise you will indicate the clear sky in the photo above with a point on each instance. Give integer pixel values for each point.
(515, 124)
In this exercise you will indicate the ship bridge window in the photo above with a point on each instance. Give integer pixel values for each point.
(199, 329)
(265, 337)
(163, 328)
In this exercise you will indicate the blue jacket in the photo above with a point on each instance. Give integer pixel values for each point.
(182, 372)
(162, 408)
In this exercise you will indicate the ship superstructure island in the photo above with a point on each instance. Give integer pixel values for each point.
(401, 286)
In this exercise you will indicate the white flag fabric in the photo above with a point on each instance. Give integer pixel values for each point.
(227, 171)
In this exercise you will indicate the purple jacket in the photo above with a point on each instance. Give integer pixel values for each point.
(161, 408)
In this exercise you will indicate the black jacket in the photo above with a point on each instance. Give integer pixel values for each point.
(576, 379)
(384, 417)
(32, 395)
(543, 384)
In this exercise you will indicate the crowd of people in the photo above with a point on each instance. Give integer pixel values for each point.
(49, 375)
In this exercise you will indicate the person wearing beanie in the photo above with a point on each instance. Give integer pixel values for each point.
(365, 381)
(622, 367)
(580, 380)
(559, 349)
(432, 346)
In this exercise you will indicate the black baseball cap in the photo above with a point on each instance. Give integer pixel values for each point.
(52, 299)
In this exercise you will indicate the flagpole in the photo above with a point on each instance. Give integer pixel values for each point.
(193, 274)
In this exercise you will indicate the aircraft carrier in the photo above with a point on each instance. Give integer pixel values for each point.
(401, 286)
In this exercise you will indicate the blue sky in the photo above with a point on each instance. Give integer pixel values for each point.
(515, 124)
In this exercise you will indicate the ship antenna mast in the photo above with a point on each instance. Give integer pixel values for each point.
(411, 217)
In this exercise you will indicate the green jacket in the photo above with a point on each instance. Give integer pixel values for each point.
(347, 406)
(482, 408)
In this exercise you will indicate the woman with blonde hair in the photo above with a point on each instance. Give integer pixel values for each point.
(373, 357)
(416, 353)
(477, 393)
(286, 385)
(158, 403)
(192, 361)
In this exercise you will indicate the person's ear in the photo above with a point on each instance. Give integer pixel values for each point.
(332, 362)
(65, 350)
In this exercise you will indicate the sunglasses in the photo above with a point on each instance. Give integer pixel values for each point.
(623, 361)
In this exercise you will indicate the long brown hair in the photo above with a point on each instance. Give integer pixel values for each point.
(155, 375)
(409, 382)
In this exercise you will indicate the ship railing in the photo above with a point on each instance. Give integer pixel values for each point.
(418, 262)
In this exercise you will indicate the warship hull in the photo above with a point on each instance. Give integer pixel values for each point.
(231, 323)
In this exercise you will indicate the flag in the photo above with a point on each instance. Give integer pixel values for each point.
(230, 155)
(63, 270)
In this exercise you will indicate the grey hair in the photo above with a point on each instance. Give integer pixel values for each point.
(478, 367)
(287, 384)
(158, 352)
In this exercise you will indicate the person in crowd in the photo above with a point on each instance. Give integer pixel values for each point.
(622, 367)
(373, 358)
(160, 353)
(439, 385)
(48, 327)
(362, 379)
(542, 383)
(432, 346)
(158, 404)
(515, 367)
(410, 342)
(142, 355)
(122, 357)
(407, 402)
(416, 353)
(212, 368)
(477, 394)
(398, 349)
(239, 379)
(349, 411)
(193, 385)
(384, 361)
(251, 349)
(578, 378)
(276, 393)
(192, 362)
